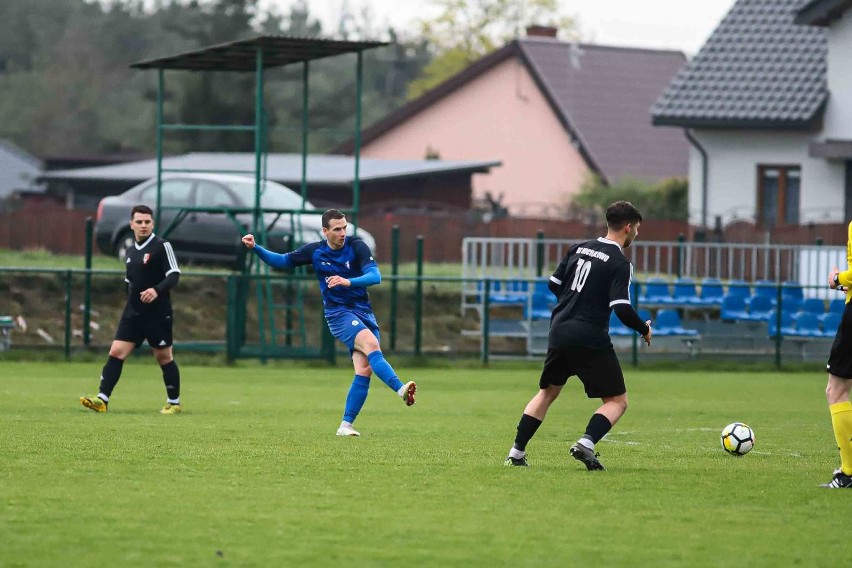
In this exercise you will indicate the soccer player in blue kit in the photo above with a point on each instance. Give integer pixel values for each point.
(345, 267)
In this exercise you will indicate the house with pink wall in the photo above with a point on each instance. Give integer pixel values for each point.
(551, 112)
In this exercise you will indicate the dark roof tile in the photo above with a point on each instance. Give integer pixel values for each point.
(757, 68)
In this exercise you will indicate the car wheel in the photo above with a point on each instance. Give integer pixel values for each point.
(124, 242)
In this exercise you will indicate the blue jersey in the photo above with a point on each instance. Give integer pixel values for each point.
(350, 261)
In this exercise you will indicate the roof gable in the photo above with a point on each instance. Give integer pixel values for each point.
(604, 94)
(601, 96)
(758, 69)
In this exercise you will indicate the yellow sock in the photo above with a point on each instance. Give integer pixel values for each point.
(841, 422)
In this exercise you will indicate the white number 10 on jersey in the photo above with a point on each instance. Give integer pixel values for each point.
(581, 273)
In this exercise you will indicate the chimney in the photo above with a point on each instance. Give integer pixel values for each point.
(541, 31)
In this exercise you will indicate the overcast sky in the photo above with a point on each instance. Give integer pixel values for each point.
(672, 24)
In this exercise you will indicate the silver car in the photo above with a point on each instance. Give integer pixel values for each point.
(211, 236)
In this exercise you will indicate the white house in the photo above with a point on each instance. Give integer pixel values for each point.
(18, 169)
(767, 107)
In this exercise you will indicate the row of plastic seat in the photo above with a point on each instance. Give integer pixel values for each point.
(759, 308)
(667, 324)
(685, 292)
(806, 325)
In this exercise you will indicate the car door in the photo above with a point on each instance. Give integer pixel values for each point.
(215, 234)
(175, 193)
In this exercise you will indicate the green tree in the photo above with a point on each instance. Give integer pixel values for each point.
(667, 199)
(466, 30)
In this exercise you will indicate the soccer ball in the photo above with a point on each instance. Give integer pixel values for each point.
(737, 439)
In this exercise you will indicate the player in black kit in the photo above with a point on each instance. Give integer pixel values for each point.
(152, 271)
(592, 279)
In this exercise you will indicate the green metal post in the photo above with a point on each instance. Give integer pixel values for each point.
(87, 286)
(258, 142)
(161, 80)
(394, 284)
(356, 184)
(680, 251)
(418, 299)
(539, 253)
(67, 314)
(305, 119)
(486, 321)
(258, 227)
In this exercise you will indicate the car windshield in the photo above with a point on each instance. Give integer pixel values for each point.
(274, 196)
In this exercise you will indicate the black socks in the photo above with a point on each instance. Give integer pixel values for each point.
(110, 375)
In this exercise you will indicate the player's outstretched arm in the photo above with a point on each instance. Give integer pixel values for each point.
(273, 259)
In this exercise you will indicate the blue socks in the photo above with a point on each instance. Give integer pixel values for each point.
(356, 398)
(383, 370)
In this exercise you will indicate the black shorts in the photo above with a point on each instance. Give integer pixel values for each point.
(598, 369)
(137, 328)
(840, 358)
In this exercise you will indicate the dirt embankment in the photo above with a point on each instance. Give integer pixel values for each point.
(201, 310)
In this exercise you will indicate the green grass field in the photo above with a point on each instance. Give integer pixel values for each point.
(252, 475)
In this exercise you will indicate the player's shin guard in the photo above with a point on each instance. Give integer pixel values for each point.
(110, 375)
(171, 378)
(841, 422)
(356, 398)
(383, 370)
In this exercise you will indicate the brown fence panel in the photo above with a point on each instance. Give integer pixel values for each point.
(56, 230)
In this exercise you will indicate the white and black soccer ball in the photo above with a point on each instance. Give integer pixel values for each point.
(737, 439)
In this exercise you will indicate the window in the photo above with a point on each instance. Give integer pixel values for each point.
(174, 193)
(273, 196)
(209, 194)
(778, 195)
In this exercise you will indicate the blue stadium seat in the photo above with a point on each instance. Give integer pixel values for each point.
(542, 306)
(830, 324)
(511, 292)
(786, 323)
(616, 328)
(813, 305)
(656, 292)
(619, 329)
(711, 292)
(739, 288)
(766, 288)
(807, 325)
(734, 308)
(685, 292)
(792, 288)
(668, 323)
(835, 306)
(791, 303)
(759, 308)
(541, 285)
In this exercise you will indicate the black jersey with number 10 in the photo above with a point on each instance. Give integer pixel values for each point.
(592, 278)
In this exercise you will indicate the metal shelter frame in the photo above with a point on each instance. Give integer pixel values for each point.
(244, 56)
(257, 55)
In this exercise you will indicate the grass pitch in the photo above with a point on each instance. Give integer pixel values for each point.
(252, 475)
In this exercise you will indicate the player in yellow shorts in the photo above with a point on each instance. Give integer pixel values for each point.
(840, 376)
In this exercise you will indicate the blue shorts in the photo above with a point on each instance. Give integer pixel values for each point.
(346, 324)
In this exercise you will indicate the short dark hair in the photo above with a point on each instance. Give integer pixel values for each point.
(622, 213)
(329, 215)
(144, 209)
